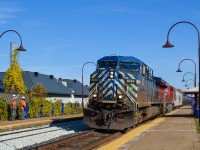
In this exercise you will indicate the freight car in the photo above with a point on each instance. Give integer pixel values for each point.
(124, 92)
(171, 97)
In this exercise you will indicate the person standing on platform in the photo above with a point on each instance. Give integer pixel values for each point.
(14, 106)
(23, 106)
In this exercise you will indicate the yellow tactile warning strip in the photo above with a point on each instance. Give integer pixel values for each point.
(133, 133)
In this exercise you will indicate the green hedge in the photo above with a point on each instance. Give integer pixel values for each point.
(67, 109)
(34, 108)
(46, 108)
(3, 110)
(57, 108)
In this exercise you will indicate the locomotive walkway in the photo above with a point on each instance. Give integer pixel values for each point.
(174, 131)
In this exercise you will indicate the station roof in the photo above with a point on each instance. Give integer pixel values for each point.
(51, 84)
(76, 86)
(194, 90)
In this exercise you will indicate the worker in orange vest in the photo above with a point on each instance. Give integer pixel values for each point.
(14, 105)
(23, 106)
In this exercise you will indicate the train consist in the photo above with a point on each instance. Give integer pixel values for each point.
(124, 92)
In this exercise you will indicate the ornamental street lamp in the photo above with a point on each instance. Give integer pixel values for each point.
(169, 45)
(179, 70)
(189, 85)
(187, 81)
(185, 74)
(82, 79)
(20, 48)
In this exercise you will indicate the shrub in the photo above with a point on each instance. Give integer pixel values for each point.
(34, 107)
(38, 91)
(46, 108)
(3, 110)
(67, 109)
(75, 108)
(9, 110)
(18, 113)
(57, 107)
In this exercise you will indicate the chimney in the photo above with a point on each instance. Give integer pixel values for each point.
(51, 76)
(36, 74)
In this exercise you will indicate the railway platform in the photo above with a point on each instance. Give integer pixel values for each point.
(174, 131)
(33, 122)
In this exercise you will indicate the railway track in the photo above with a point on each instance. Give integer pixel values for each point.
(38, 130)
(83, 141)
(31, 136)
(68, 135)
(86, 140)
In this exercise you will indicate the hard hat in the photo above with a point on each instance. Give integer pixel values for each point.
(23, 97)
(13, 95)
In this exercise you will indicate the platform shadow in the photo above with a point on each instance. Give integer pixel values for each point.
(70, 124)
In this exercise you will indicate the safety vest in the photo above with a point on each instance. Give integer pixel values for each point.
(23, 105)
(14, 104)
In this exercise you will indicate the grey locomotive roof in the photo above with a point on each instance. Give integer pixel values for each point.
(76, 86)
(48, 81)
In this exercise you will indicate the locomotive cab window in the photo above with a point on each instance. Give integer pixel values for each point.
(107, 64)
(131, 66)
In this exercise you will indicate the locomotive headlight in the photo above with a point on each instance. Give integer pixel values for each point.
(112, 74)
(94, 95)
(120, 96)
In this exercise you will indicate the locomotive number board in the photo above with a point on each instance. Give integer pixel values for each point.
(130, 81)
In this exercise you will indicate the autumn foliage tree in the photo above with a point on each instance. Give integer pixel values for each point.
(13, 80)
(38, 91)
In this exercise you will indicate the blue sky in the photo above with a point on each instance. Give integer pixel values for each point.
(61, 35)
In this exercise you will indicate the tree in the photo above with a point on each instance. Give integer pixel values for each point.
(13, 80)
(38, 91)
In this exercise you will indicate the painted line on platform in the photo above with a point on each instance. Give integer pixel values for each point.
(171, 130)
(133, 133)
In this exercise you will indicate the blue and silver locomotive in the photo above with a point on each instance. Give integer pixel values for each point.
(123, 93)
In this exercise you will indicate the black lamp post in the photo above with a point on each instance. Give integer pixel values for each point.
(169, 45)
(188, 86)
(82, 79)
(187, 81)
(20, 48)
(179, 70)
(185, 74)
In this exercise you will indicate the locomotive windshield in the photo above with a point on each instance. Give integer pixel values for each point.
(131, 66)
(107, 64)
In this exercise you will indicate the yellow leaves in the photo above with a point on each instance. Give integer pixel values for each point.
(13, 80)
(38, 91)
